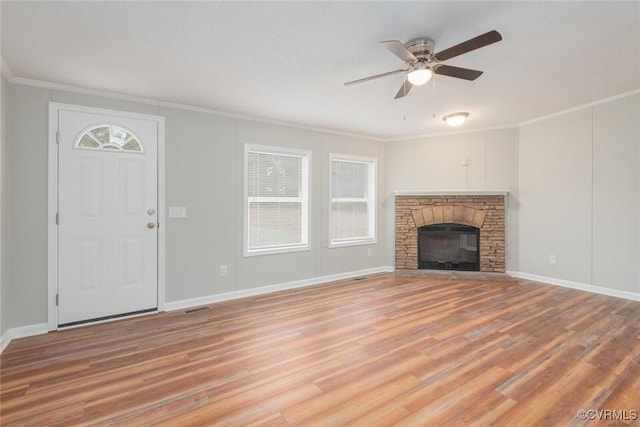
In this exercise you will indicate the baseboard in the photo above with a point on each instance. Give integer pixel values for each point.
(576, 285)
(5, 340)
(22, 332)
(226, 296)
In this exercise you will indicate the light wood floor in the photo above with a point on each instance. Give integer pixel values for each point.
(382, 350)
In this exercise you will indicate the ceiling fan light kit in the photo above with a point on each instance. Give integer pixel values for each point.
(420, 74)
(421, 62)
(455, 119)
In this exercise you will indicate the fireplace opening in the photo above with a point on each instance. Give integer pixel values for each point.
(449, 247)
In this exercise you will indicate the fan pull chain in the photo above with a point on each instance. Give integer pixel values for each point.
(433, 96)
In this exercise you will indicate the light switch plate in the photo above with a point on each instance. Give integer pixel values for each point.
(177, 212)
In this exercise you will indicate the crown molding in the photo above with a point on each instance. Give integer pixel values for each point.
(187, 107)
(450, 133)
(581, 107)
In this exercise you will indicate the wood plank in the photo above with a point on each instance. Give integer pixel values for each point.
(364, 402)
(370, 376)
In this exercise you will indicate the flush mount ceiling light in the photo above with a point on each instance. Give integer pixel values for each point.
(455, 119)
(420, 74)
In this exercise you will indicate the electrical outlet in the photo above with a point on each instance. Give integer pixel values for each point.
(223, 270)
(369, 252)
(552, 259)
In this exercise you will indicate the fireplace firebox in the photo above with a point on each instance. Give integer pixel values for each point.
(449, 247)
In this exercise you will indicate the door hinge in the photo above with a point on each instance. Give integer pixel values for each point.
(57, 218)
(57, 137)
(57, 299)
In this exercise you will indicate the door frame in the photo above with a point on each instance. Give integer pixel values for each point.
(52, 202)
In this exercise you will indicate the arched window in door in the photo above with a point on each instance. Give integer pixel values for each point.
(108, 137)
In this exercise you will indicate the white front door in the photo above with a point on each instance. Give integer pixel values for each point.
(107, 223)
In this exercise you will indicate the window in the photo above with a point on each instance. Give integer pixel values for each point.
(108, 137)
(352, 206)
(277, 199)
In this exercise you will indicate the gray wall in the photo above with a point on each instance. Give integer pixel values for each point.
(26, 198)
(3, 203)
(616, 194)
(201, 175)
(579, 196)
(204, 173)
(436, 162)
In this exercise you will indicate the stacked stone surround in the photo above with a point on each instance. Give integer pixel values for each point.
(485, 211)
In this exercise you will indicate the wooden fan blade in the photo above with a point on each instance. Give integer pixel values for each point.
(471, 44)
(404, 89)
(398, 49)
(377, 76)
(458, 72)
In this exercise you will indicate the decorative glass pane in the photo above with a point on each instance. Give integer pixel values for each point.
(108, 137)
(132, 145)
(117, 136)
(101, 133)
(87, 141)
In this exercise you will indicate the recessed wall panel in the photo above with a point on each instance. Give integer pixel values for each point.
(132, 262)
(90, 188)
(131, 188)
(88, 265)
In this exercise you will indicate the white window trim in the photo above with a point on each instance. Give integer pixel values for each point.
(305, 245)
(371, 207)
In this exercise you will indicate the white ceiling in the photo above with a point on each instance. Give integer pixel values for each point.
(287, 61)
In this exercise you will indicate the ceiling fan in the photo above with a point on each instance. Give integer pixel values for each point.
(421, 62)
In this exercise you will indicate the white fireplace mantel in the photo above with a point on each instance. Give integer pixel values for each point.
(467, 192)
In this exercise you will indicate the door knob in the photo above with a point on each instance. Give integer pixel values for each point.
(151, 225)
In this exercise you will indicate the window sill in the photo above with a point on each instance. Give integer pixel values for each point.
(348, 243)
(274, 251)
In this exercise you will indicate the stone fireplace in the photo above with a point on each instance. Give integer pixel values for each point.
(482, 209)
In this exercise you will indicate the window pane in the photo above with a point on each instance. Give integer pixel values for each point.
(274, 224)
(101, 134)
(132, 145)
(352, 191)
(87, 141)
(274, 175)
(350, 179)
(349, 220)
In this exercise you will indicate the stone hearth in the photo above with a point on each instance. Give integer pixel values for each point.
(482, 209)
